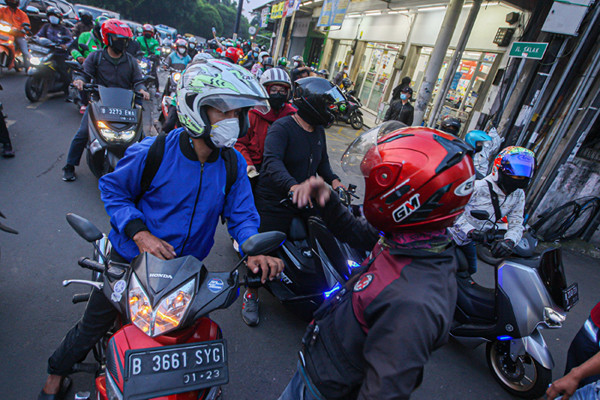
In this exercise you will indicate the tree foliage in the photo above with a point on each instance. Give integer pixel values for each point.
(187, 16)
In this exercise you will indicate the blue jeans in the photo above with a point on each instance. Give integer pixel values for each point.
(298, 390)
(588, 392)
(470, 250)
(79, 141)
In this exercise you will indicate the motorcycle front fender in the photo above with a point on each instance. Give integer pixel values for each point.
(535, 346)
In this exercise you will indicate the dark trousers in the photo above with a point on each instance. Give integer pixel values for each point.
(4, 137)
(98, 317)
(470, 250)
(79, 141)
(583, 347)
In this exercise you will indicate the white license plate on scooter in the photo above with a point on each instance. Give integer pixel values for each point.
(571, 296)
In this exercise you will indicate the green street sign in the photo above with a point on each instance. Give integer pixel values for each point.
(531, 50)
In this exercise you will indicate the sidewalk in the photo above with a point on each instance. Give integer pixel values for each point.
(368, 118)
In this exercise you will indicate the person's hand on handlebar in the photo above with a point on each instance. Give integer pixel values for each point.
(313, 187)
(145, 94)
(78, 83)
(271, 267)
(477, 236)
(80, 60)
(502, 248)
(336, 184)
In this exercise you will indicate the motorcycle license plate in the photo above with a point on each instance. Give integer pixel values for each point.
(39, 49)
(118, 114)
(168, 370)
(570, 296)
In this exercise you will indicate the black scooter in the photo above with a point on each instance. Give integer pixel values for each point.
(530, 294)
(43, 76)
(316, 265)
(348, 111)
(114, 123)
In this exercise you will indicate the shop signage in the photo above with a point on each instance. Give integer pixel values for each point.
(277, 10)
(333, 12)
(264, 17)
(531, 50)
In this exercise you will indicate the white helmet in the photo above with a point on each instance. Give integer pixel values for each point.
(221, 85)
(275, 75)
(263, 54)
(201, 57)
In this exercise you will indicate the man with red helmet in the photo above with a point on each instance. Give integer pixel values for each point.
(111, 67)
(372, 340)
(231, 55)
(501, 194)
(149, 44)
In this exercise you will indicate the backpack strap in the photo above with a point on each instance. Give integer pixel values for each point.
(495, 202)
(230, 159)
(153, 161)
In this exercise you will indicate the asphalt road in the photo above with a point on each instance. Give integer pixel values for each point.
(36, 310)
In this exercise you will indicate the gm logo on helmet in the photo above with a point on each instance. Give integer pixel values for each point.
(465, 188)
(407, 208)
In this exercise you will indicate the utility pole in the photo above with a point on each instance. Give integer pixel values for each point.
(279, 38)
(456, 57)
(238, 18)
(289, 35)
(437, 58)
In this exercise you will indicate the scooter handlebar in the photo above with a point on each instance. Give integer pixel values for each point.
(85, 262)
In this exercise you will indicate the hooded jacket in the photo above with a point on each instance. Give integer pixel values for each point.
(511, 206)
(253, 144)
(374, 338)
(481, 160)
(182, 205)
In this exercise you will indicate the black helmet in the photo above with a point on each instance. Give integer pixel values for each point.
(86, 17)
(346, 82)
(312, 98)
(450, 125)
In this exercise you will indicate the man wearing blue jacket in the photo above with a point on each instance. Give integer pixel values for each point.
(177, 213)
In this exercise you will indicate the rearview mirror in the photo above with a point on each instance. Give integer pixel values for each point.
(480, 215)
(263, 243)
(84, 228)
(32, 10)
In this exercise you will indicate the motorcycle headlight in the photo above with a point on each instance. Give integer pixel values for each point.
(168, 314)
(35, 61)
(143, 64)
(5, 28)
(113, 136)
(176, 76)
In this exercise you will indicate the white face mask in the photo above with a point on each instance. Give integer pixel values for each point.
(54, 20)
(225, 133)
(181, 51)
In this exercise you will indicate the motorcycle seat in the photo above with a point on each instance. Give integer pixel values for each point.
(297, 230)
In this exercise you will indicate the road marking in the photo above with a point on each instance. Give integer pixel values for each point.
(34, 105)
(10, 122)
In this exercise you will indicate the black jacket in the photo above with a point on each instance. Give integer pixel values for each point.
(374, 339)
(291, 156)
(125, 73)
(400, 112)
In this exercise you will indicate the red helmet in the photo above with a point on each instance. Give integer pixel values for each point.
(147, 28)
(232, 54)
(416, 179)
(180, 43)
(115, 29)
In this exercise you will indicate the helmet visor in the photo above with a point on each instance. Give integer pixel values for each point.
(362, 155)
(225, 102)
(521, 164)
(335, 95)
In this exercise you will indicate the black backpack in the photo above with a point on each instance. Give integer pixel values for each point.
(155, 157)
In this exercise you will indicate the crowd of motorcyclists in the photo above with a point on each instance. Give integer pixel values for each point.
(374, 337)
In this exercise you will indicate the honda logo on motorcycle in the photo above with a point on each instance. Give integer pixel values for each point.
(407, 208)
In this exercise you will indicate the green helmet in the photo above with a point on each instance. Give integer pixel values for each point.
(221, 85)
(100, 20)
(282, 62)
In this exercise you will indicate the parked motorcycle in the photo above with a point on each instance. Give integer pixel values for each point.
(530, 294)
(43, 76)
(115, 123)
(348, 111)
(10, 55)
(164, 344)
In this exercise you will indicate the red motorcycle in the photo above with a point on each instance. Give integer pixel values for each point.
(164, 346)
(10, 55)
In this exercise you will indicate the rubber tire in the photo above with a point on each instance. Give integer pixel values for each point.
(485, 255)
(356, 120)
(544, 377)
(32, 96)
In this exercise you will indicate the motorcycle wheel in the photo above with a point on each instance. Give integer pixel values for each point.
(524, 378)
(34, 88)
(356, 121)
(485, 255)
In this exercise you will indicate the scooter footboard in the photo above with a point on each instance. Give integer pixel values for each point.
(535, 346)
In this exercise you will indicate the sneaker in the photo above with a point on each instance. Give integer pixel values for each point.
(69, 173)
(8, 151)
(82, 109)
(250, 309)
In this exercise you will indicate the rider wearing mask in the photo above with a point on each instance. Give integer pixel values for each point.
(259, 67)
(192, 47)
(148, 43)
(85, 23)
(485, 145)
(501, 194)
(295, 149)
(111, 67)
(59, 35)
(18, 20)
(401, 109)
(179, 59)
(178, 215)
(372, 339)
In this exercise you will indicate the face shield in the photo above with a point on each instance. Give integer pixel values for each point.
(521, 164)
(226, 103)
(335, 95)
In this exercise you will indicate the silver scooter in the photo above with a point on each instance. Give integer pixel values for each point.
(530, 294)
